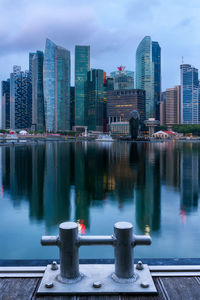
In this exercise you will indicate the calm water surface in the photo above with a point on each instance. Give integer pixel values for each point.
(155, 186)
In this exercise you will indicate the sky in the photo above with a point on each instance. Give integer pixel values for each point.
(113, 29)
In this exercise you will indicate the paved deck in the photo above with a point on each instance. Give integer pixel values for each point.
(18, 283)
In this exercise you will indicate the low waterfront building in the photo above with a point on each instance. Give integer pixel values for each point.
(119, 128)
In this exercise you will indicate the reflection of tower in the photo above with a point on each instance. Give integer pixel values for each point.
(189, 178)
(38, 164)
(170, 164)
(148, 191)
(81, 198)
(124, 180)
(57, 183)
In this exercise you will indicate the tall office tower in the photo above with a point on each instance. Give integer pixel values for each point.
(20, 99)
(94, 96)
(163, 108)
(72, 106)
(56, 80)
(123, 79)
(5, 104)
(189, 95)
(82, 66)
(108, 84)
(38, 119)
(156, 59)
(148, 73)
(172, 106)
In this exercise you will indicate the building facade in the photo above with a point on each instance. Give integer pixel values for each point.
(148, 78)
(5, 104)
(121, 102)
(38, 118)
(172, 106)
(156, 59)
(20, 99)
(189, 95)
(82, 66)
(123, 79)
(56, 80)
(94, 100)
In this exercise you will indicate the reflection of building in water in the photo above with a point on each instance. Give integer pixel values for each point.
(170, 164)
(57, 183)
(82, 202)
(148, 190)
(38, 164)
(189, 177)
(121, 172)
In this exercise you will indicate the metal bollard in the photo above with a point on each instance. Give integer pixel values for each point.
(69, 241)
(123, 250)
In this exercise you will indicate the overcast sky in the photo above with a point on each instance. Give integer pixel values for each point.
(113, 29)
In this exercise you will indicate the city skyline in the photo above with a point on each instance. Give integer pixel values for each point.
(108, 27)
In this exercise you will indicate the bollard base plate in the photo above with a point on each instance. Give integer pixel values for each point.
(101, 274)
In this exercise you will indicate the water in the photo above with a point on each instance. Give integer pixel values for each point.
(155, 186)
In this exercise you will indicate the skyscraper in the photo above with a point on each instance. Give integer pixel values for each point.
(20, 99)
(148, 77)
(82, 66)
(123, 79)
(156, 59)
(56, 79)
(189, 95)
(5, 104)
(94, 94)
(38, 120)
(172, 105)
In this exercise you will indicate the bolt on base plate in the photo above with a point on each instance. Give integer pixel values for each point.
(97, 279)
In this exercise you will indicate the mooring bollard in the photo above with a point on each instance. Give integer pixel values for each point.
(69, 242)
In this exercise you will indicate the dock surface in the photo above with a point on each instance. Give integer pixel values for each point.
(171, 285)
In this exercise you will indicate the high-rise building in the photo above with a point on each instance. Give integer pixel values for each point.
(121, 102)
(156, 59)
(20, 99)
(56, 80)
(94, 94)
(172, 106)
(108, 86)
(189, 95)
(82, 66)
(72, 106)
(5, 104)
(123, 79)
(38, 119)
(163, 108)
(148, 78)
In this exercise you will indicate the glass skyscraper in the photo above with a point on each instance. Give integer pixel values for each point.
(38, 120)
(56, 79)
(82, 66)
(189, 95)
(156, 59)
(94, 96)
(123, 79)
(148, 73)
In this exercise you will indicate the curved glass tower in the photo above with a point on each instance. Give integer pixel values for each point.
(56, 78)
(144, 73)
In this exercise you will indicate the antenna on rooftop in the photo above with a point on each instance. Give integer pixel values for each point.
(182, 60)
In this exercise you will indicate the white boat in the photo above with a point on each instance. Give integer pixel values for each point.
(104, 138)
